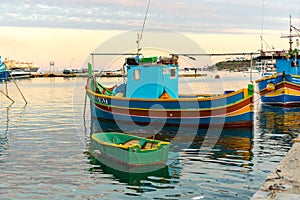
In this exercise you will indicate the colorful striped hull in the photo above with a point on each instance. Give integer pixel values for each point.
(228, 110)
(285, 90)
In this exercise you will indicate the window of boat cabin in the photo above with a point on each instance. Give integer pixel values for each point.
(294, 63)
(172, 72)
(137, 74)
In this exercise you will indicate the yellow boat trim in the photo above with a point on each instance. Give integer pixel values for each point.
(248, 108)
(267, 78)
(294, 75)
(274, 76)
(129, 146)
(282, 91)
(281, 83)
(243, 90)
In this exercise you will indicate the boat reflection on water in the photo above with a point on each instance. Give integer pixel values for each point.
(160, 175)
(4, 128)
(230, 147)
(279, 120)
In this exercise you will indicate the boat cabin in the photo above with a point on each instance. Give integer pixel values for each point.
(152, 78)
(289, 66)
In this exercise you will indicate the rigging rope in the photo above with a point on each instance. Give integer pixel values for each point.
(143, 27)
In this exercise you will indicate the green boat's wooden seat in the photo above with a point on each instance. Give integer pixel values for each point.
(131, 142)
(149, 145)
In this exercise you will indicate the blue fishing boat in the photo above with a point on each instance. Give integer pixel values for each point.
(150, 97)
(4, 73)
(283, 87)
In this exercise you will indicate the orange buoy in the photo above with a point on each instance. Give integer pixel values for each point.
(270, 87)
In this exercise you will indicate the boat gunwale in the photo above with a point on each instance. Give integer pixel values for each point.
(199, 98)
(127, 147)
(275, 76)
(282, 91)
(262, 91)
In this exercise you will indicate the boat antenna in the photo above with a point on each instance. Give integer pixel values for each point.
(140, 36)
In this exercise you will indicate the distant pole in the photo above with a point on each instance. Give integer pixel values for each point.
(251, 68)
(51, 65)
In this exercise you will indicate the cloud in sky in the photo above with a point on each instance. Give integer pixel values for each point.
(205, 16)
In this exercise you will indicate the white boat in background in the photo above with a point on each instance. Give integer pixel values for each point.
(19, 74)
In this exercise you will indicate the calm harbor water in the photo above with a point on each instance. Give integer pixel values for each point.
(44, 149)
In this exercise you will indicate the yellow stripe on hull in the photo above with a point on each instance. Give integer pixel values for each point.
(282, 91)
(248, 108)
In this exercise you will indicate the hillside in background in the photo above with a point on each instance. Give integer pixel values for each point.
(235, 65)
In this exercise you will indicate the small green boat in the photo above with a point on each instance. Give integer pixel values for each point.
(130, 149)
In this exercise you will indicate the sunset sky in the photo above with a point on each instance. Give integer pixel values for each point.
(66, 31)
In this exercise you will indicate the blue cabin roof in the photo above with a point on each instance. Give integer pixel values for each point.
(152, 80)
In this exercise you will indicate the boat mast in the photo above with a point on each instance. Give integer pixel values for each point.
(291, 41)
(290, 36)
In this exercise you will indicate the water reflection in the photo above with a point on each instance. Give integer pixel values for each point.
(231, 147)
(3, 136)
(279, 120)
(134, 179)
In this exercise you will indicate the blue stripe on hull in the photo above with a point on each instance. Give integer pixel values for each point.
(246, 118)
(281, 99)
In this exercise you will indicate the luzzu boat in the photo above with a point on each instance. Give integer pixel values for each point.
(150, 97)
(282, 88)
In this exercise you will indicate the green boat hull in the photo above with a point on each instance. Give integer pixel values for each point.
(130, 149)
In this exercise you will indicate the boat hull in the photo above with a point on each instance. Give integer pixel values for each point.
(285, 90)
(134, 156)
(228, 110)
(242, 118)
